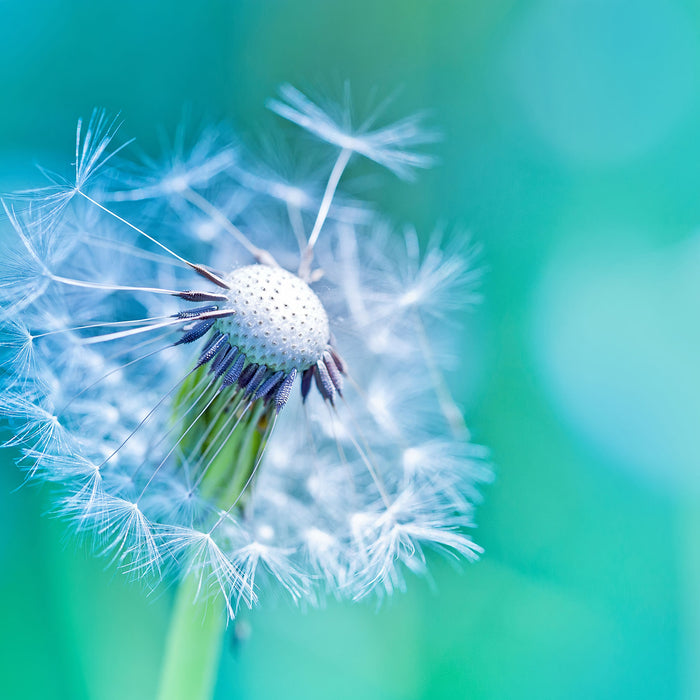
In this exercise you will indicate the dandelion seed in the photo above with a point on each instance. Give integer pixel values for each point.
(206, 412)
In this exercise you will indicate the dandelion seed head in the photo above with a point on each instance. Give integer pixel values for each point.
(277, 319)
(229, 375)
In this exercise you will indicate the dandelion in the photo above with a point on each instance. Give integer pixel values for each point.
(233, 380)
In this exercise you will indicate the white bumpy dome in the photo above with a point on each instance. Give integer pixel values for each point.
(278, 321)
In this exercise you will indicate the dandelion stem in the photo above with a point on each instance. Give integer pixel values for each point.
(198, 622)
(194, 643)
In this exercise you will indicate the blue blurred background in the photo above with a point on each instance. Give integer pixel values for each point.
(571, 151)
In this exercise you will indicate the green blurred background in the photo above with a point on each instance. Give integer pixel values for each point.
(571, 151)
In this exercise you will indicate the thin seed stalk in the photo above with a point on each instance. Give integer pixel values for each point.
(198, 623)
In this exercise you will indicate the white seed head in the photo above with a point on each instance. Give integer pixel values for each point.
(161, 424)
(278, 320)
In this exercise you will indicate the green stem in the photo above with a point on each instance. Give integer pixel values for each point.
(193, 648)
(195, 638)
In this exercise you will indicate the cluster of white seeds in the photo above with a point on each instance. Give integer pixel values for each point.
(277, 319)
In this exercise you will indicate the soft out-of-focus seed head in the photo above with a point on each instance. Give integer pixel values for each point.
(236, 424)
(277, 319)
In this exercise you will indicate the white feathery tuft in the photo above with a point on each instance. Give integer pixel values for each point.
(388, 146)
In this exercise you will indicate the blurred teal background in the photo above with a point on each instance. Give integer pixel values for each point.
(571, 151)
